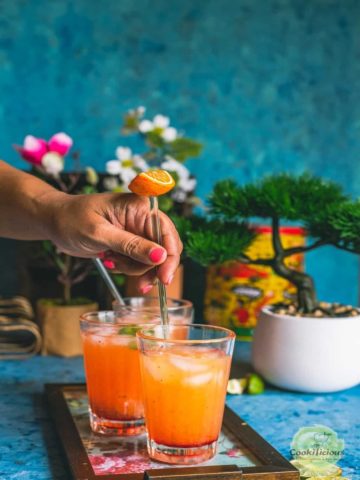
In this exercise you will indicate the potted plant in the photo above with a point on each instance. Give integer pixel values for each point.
(306, 345)
(163, 147)
(59, 317)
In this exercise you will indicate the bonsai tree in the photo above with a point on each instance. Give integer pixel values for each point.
(329, 216)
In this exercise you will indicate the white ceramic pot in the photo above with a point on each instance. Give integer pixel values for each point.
(312, 355)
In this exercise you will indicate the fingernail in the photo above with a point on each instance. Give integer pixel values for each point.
(156, 254)
(170, 279)
(146, 289)
(109, 264)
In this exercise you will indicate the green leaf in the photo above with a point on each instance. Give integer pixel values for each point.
(48, 246)
(130, 122)
(284, 196)
(183, 148)
(154, 140)
(212, 242)
(119, 279)
(89, 189)
(165, 203)
(342, 227)
(131, 331)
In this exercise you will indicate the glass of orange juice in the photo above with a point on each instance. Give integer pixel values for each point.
(184, 379)
(111, 360)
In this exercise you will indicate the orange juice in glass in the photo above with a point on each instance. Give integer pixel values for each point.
(112, 368)
(184, 381)
(112, 372)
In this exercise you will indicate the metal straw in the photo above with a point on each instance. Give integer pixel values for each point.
(154, 208)
(108, 280)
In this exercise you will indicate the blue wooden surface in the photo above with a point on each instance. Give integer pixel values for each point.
(267, 85)
(29, 449)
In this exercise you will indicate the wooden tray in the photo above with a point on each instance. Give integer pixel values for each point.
(242, 452)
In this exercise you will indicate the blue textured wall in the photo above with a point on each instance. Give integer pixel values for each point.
(267, 85)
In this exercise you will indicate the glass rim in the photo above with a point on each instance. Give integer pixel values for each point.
(230, 334)
(182, 304)
(92, 318)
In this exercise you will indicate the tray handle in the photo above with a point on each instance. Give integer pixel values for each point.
(224, 472)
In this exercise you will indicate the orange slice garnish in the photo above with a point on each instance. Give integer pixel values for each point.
(152, 183)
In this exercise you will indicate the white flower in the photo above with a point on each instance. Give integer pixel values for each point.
(123, 153)
(169, 134)
(160, 121)
(161, 124)
(110, 183)
(140, 163)
(113, 167)
(178, 195)
(126, 166)
(127, 174)
(185, 182)
(146, 126)
(53, 163)
(175, 166)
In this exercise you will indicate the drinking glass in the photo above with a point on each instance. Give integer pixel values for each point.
(111, 362)
(184, 380)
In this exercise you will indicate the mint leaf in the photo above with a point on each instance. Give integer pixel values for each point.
(128, 331)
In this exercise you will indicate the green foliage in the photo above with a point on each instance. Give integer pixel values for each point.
(166, 203)
(128, 330)
(213, 241)
(183, 148)
(89, 189)
(345, 224)
(56, 258)
(130, 123)
(119, 279)
(305, 198)
(154, 139)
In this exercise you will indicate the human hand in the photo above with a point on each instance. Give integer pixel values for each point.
(116, 227)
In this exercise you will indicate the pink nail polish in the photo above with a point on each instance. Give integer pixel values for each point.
(146, 289)
(156, 254)
(170, 279)
(109, 264)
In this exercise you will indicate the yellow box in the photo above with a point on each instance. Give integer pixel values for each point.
(235, 292)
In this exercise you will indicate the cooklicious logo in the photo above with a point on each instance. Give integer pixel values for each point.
(316, 450)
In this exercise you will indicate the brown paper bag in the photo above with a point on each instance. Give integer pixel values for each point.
(60, 328)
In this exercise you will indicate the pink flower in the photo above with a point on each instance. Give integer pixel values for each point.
(60, 143)
(33, 149)
(234, 452)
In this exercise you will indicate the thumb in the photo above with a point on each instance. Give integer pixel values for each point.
(133, 246)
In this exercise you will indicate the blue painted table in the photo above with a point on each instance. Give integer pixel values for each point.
(29, 448)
